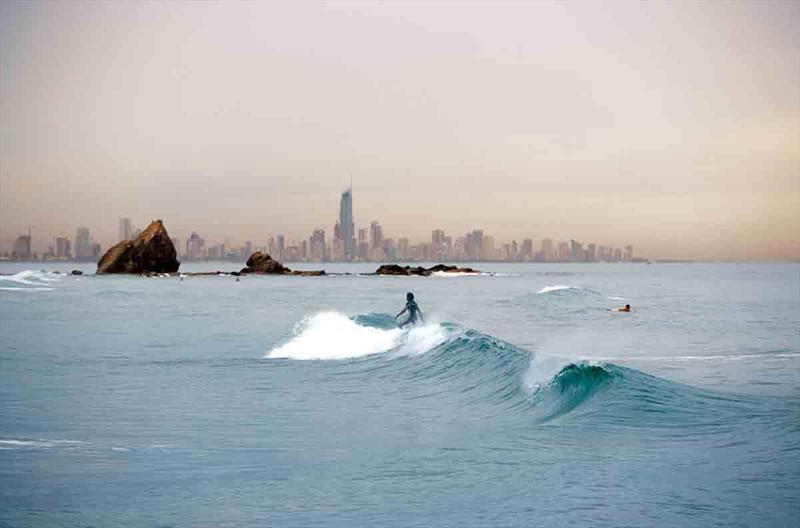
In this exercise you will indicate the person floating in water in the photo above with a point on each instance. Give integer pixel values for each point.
(626, 308)
(413, 311)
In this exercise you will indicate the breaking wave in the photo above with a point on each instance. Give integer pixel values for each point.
(562, 288)
(331, 335)
(29, 280)
(484, 370)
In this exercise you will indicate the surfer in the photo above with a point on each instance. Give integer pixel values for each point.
(413, 310)
(626, 308)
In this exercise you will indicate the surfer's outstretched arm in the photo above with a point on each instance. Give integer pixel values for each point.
(401, 313)
(421, 317)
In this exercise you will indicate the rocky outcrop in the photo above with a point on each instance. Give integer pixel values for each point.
(395, 269)
(151, 252)
(451, 269)
(262, 263)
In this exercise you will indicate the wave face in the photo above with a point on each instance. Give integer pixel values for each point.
(491, 371)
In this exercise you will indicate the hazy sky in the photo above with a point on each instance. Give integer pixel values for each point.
(673, 126)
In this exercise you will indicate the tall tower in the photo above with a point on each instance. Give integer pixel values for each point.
(125, 229)
(346, 226)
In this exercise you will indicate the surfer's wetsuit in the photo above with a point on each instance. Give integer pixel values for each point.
(413, 311)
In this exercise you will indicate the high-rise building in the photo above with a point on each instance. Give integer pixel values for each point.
(194, 247)
(576, 251)
(375, 235)
(125, 229)
(438, 245)
(591, 253)
(22, 248)
(563, 252)
(376, 251)
(83, 244)
(317, 245)
(363, 245)
(346, 225)
(548, 255)
(280, 248)
(63, 247)
(527, 249)
(402, 248)
(474, 244)
(628, 256)
(487, 248)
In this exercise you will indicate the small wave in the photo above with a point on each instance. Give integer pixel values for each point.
(40, 443)
(457, 274)
(549, 289)
(712, 357)
(31, 277)
(573, 385)
(331, 335)
(29, 280)
(13, 288)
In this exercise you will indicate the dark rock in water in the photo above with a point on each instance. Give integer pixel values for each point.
(151, 252)
(316, 273)
(76, 272)
(451, 269)
(395, 269)
(262, 263)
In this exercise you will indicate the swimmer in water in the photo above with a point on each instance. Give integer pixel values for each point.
(413, 311)
(626, 308)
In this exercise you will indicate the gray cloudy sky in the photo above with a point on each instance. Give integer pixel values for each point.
(671, 126)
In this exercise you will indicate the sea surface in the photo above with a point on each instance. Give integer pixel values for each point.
(524, 399)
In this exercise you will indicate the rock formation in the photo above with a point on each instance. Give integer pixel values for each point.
(151, 252)
(394, 269)
(262, 263)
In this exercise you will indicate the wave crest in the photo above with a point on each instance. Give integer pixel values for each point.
(332, 335)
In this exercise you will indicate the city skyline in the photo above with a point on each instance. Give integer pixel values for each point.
(518, 118)
(344, 246)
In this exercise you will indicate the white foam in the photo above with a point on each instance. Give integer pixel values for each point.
(456, 274)
(13, 288)
(29, 280)
(559, 287)
(331, 335)
(11, 443)
(30, 277)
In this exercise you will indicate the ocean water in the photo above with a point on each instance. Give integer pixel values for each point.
(295, 401)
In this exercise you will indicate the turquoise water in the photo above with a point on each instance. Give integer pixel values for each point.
(293, 401)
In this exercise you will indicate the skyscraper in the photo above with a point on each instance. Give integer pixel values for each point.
(125, 229)
(63, 247)
(83, 244)
(194, 247)
(346, 226)
(22, 248)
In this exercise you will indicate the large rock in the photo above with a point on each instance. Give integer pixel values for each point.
(262, 263)
(395, 269)
(151, 252)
